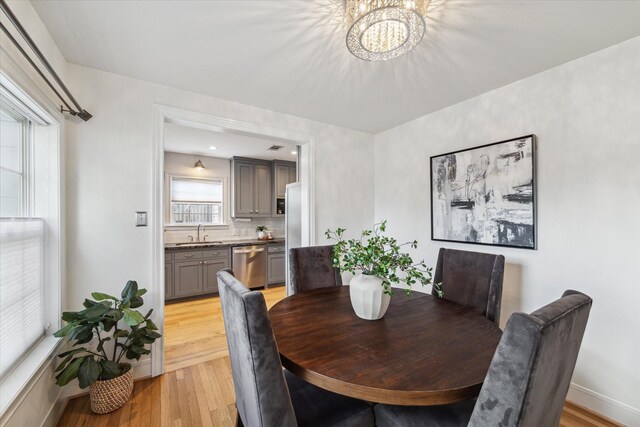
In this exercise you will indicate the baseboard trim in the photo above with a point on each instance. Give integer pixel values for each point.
(604, 405)
(55, 413)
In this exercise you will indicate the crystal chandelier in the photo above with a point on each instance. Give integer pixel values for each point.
(384, 29)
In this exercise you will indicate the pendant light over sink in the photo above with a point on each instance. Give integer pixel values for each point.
(380, 30)
(198, 165)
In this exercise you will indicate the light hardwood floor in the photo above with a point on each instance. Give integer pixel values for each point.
(197, 389)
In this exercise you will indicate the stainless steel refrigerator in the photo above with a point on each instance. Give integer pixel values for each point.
(292, 224)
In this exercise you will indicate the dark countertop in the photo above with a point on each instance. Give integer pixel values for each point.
(226, 243)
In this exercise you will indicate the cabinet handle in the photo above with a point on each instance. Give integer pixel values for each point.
(188, 255)
(204, 262)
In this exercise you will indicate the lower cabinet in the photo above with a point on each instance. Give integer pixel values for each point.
(168, 280)
(275, 264)
(193, 272)
(187, 279)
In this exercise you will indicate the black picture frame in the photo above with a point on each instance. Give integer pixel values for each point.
(527, 231)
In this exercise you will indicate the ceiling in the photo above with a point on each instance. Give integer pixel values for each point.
(290, 56)
(189, 140)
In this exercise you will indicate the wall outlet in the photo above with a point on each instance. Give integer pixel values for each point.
(141, 219)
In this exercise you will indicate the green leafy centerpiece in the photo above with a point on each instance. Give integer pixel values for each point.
(122, 333)
(377, 263)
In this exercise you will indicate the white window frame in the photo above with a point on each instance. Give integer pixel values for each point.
(225, 211)
(44, 189)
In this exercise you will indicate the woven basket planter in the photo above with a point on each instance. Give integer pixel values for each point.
(109, 395)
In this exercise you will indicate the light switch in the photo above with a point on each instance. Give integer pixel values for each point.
(141, 219)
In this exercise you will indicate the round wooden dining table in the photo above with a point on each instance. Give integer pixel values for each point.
(424, 351)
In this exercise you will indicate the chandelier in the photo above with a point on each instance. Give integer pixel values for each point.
(384, 29)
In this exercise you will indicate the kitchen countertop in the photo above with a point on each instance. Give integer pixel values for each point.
(227, 243)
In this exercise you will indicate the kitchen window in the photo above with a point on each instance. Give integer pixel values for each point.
(196, 201)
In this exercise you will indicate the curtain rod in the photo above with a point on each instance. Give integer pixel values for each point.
(80, 112)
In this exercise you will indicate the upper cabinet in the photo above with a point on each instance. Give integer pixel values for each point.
(283, 173)
(251, 186)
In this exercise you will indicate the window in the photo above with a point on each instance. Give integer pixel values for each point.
(22, 314)
(196, 201)
(31, 257)
(13, 147)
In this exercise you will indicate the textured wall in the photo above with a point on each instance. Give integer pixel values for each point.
(586, 115)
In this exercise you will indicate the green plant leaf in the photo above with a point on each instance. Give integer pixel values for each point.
(152, 326)
(67, 357)
(141, 292)
(70, 316)
(110, 369)
(70, 372)
(66, 330)
(120, 333)
(132, 317)
(136, 302)
(130, 290)
(88, 372)
(99, 296)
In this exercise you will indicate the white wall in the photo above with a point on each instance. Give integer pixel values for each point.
(110, 174)
(586, 115)
(182, 165)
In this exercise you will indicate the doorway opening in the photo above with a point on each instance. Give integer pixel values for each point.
(219, 202)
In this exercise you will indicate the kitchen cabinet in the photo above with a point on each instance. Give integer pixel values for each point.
(192, 272)
(168, 280)
(251, 182)
(275, 264)
(283, 173)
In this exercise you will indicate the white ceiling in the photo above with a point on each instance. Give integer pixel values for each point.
(290, 56)
(189, 140)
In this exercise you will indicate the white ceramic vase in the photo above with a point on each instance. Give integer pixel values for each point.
(367, 297)
(261, 234)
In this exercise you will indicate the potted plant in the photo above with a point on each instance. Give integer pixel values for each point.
(261, 230)
(102, 366)
(377, 263)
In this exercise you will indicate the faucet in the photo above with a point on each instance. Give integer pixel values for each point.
(199, 225)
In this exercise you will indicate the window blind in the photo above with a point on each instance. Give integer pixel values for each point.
(196, 190)
(22, 322)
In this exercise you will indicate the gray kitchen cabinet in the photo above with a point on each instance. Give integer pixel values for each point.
(283, 173)
(210, 269)
(168, 280)
(187, 278)
(262, 191)
(275, 264)
(191, 272)
(250, 188)
(242, 192)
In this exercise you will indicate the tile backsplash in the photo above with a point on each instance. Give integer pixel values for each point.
(238, 230)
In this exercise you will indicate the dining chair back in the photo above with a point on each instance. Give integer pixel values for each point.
(531, 370)
(528, 378)
(312, 268)
(473, 279)
(267, 396)
(261, 392)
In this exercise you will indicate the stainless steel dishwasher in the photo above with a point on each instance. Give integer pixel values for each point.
(250, 265)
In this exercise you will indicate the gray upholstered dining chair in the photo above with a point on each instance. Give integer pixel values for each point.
(473, 279)
(312, 268)
(528, 378)
(267, 396)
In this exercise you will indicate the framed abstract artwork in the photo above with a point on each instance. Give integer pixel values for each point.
(486, 195)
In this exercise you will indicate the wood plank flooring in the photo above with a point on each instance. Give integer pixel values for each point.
(197, 389)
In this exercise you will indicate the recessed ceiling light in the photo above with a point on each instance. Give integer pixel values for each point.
(211, 147)
(294, 152)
